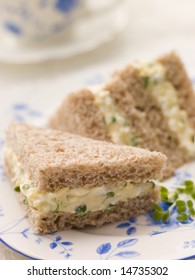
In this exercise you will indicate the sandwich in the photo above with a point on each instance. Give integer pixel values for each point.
(148, 104)
(69, 181)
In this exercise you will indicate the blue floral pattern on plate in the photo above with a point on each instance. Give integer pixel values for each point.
(131, 226)
(1, 212)
(54, 240)
(189, 244)
(119, 250)
(23, 111)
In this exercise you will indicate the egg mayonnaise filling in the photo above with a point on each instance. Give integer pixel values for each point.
(73, 200)
(166, 96)
(119, 128)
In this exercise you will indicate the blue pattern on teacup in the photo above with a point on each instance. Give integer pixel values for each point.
(37, 19)
(13, 28)
(65, 5)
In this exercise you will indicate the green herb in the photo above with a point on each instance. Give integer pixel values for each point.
(81, 209)
(25, 201)
(181, 190)
(164, 194)
(26, 187)
(190, 204)
(190, 207)
(192, 211)
(110, 194)
(113, 119)
(17, 189)
(159, 214)
(157, 207)
(146, 80)
(193, 195)
(175, 196)
(134, 140)
(183, 217)
(185, 209)
(189, 186)
(165, 217)
(181, 206)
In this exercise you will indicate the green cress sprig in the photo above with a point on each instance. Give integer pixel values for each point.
(185, 208)
(81, 209)
(17, 189)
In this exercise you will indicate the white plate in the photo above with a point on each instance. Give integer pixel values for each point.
(139, 238)
(86, 35)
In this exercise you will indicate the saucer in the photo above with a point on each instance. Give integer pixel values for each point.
(87, 34)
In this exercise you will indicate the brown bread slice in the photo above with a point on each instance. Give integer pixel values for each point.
(54, 160)
(131, 98)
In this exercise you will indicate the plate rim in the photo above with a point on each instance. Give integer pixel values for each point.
(190, 257)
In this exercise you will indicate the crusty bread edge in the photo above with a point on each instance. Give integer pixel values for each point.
(70, 114)
(177, 74)
(122, 164)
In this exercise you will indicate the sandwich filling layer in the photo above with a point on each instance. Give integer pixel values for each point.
(119, 128)
(166, 96)
(72, 200)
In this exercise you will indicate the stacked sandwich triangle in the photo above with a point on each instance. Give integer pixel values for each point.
(67, 181)
(148, 104)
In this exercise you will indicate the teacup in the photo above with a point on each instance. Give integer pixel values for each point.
(32, 21)
(36, 20)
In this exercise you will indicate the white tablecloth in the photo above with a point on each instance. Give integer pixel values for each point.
(154, 28)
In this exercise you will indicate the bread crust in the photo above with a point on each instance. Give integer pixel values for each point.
(80, 111)
(55, 159)
(177, 75)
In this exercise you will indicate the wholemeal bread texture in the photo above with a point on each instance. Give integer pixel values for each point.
(54, 159)
(147, 104)
(52, 170)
